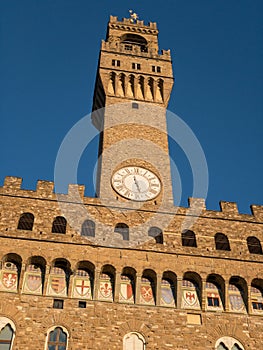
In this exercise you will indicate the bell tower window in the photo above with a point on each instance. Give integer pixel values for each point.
(130, 40)
(136, 66)
(116, 63)
(156, 69)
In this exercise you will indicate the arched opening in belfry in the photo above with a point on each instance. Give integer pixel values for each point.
(135, 39)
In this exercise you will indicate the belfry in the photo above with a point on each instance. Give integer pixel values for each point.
(128, 269)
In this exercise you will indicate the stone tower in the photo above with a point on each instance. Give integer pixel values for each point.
(133, 87)
(75, 284)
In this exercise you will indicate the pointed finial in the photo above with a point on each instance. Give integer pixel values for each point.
(134, 16)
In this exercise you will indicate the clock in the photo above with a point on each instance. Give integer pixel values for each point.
(136, 183)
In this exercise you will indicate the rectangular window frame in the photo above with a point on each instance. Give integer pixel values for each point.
(58, 304)
(115, 63)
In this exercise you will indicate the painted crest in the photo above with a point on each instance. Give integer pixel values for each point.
(236, 302)
(126, 292)
(167, 295)
(106, 289)
(190, 297)
(58, 284)
(9, 280)
(33, 282)
(82, 287)
(146, 293)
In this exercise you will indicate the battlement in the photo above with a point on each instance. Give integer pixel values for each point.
(134, 23)
(75, 193)
(131, 36)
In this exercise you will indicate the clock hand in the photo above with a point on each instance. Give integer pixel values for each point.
(136, 183)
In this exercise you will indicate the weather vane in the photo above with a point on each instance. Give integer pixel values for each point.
(134, 16)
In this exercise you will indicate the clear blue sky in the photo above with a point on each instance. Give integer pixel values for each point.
(49, 52)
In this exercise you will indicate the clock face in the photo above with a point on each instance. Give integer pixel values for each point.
(136, 183)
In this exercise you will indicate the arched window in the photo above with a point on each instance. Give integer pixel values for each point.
(157, 234)
(127, 285)
(228, 343)
(148, 287)
(58, 279)
(167, 292)
(34, 275)
(59, 225)
(134, 341)
(123, 229)
(33, 279)
(191, 291)
(26, 222)
(57, 339)
(215, 292)
(135, 39)
(7, 333)
(256, 296)
(254, 245)
(188, 239)
(106, 283)
(222, 242)
(213, 296)
(82, 284)
(88, 228)
(237, 292)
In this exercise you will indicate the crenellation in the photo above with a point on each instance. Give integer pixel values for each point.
(197, 203)
(257, 211)
(76, 191)
(12, 183)
(137, 23)
(45, 189)
(229, 208)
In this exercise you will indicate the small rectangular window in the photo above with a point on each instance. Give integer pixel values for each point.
(58, 304)
(116, 63)
(82, 304)
(128, 47)
(135, 105)
(213, 301)
(156, 69)
(136, 66)
(257, 306)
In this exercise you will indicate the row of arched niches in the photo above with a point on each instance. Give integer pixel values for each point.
(86, 282)
(138, 87)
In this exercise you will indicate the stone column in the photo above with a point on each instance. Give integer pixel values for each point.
(117, 285)
(179, 293)
(21, 278)
(249, 301)
(47, 273)
(138, 289)
(158, 290)
(226, 297)
(96, 284)
(203, 295)
(70, 283)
